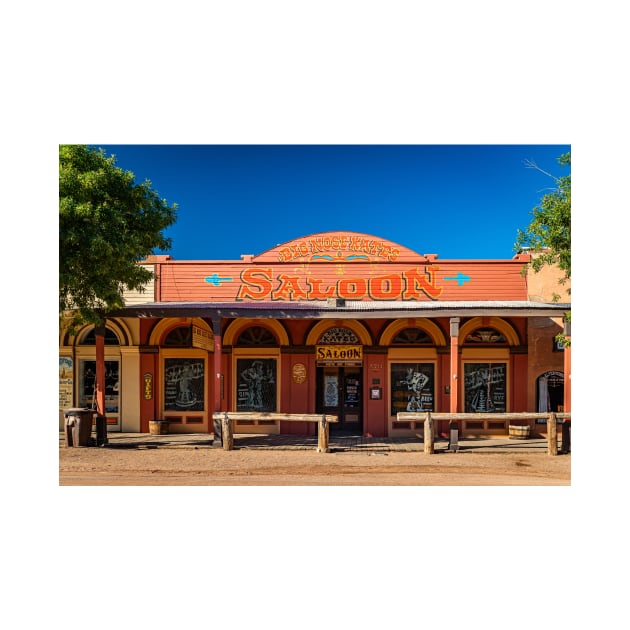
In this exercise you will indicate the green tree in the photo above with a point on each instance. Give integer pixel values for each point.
(549, 232)
(107, 224)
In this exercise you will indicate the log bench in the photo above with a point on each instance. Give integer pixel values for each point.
(227, 418)
(552, 430)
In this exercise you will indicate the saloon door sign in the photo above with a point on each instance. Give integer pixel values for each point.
(340, 379)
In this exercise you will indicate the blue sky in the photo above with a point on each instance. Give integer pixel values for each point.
(458, 201)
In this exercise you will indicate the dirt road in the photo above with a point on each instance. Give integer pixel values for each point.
(215, 467)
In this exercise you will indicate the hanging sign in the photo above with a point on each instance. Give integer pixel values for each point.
(202, 338)
(339, 355)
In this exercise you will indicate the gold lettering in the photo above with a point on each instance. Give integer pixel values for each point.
(316, 292)
(256, 284)
(416, 283)
(289, 289)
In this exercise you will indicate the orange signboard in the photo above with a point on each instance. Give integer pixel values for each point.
(341, 265)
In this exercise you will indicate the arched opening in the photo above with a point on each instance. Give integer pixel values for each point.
(550, 392)
(86, 374)
(339, 386)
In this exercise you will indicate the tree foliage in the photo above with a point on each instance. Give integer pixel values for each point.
(107, 224)
(549, 232)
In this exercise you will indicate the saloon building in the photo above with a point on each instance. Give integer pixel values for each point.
(338, 322)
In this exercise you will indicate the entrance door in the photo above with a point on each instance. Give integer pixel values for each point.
(339, 393)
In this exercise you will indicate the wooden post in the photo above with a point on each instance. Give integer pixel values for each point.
(228, 434)
(552, 432)
(428, 435)
(322, 435)
(566, 435)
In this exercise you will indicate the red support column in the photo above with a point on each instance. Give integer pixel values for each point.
(454, 372)
(216, 373)
(100, 370)
(218, 349)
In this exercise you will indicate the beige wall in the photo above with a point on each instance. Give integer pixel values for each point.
(130, 390)
(542, 285)
(141, 297)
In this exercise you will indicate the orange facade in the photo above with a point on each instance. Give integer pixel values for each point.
(337, 322)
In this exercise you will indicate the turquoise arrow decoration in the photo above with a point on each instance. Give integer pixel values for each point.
(216, 280)
(460, 277)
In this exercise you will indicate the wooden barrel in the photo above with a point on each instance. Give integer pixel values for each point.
(158, 427)
(518, 432)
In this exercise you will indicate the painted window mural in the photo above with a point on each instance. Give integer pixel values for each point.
(256, 385)
(485, 387)
(183, 385)
(413, 387)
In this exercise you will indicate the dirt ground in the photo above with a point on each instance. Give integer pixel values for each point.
(242, 467)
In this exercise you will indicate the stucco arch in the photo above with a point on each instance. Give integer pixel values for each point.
(499, 324)
(119, 328)
(355, 326)
(233, 331)
(165, 325)
(425, 324)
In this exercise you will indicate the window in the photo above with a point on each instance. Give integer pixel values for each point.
(184, 384)
(256, 385)
(411, 336)
(256, 336)
(180, 337)
(412, 387)
(87, 385)
(339, 336)
(90, 338)
(485, 387)
(485, 336)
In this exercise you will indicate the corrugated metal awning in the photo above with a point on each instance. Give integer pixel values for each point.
(348, 309)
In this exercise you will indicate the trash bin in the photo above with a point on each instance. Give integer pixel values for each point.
(78, 426)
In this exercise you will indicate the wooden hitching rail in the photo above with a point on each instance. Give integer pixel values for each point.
(429, 417)
(227, 417)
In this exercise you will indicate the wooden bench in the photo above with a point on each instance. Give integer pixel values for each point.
(552, 430)
(227, 419)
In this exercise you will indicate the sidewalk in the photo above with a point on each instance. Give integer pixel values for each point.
(307, 442)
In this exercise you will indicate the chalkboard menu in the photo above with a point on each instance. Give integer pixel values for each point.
(184, 385)
(485, 387)
(412, 387)
(257, 384)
